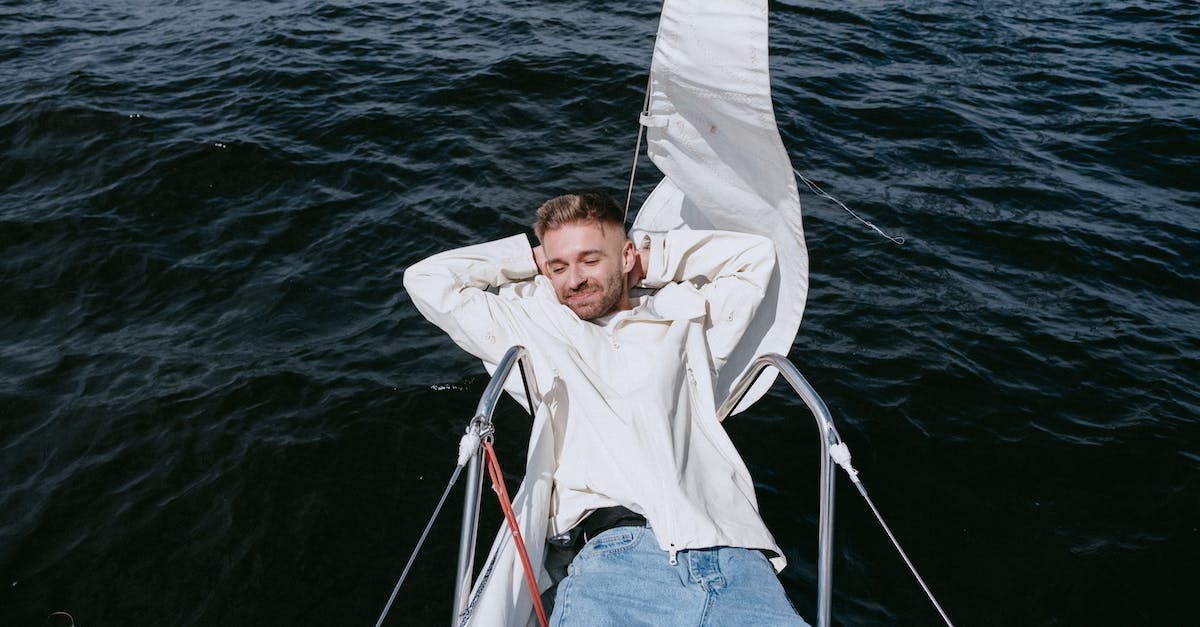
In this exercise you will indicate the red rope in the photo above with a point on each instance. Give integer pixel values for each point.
(506, 505)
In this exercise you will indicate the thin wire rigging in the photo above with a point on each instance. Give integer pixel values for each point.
(896, 543)
(637, 149)
(424, 534)
(816, 189)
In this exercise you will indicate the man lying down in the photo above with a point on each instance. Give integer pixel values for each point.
(649, 493)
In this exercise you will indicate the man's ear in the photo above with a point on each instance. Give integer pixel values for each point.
(628, 257)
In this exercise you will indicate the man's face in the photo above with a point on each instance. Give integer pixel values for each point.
(587, 262)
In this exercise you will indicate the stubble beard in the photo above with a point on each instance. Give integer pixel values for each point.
(611, 294)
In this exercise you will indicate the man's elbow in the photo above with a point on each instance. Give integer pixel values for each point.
(423, 287)
(766, 248)
(756, 263)
(759, 258)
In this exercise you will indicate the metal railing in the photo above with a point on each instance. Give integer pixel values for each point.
(519, 356)
(481, 425)
(829, 439)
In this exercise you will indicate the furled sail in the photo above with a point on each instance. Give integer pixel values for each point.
(712, 133)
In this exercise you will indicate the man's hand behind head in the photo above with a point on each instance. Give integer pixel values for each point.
(641, 262)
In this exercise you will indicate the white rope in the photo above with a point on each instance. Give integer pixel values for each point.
(467, 446)
(841, 455)
(436, 510)
(816, 189)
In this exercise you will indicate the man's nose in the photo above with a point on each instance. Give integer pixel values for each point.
(576, 278)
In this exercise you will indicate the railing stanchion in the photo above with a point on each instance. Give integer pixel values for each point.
(468, 535)
(829, 438)
(825, 537)
(482, 425)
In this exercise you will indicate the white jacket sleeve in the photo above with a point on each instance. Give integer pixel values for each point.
(457, 291)
(731, 270)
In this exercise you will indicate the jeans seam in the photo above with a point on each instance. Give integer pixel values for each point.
(562, 603)
(708, 601)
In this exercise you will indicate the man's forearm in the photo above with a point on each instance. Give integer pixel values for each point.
(688, 255)
(440, 280)
(454, 289)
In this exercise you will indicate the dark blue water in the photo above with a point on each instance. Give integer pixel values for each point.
(218, 406)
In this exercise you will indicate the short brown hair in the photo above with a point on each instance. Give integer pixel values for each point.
(577, 207)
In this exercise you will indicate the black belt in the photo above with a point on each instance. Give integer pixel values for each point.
(607, 518)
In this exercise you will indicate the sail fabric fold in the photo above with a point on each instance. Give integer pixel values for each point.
(711, 131)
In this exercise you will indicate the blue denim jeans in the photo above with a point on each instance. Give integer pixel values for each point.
(621, 577)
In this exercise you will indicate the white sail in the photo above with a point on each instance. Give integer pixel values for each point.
(712, 133)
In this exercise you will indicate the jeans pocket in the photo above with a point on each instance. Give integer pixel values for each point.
(614, 540)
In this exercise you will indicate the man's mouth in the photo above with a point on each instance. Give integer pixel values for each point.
(584, 293)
